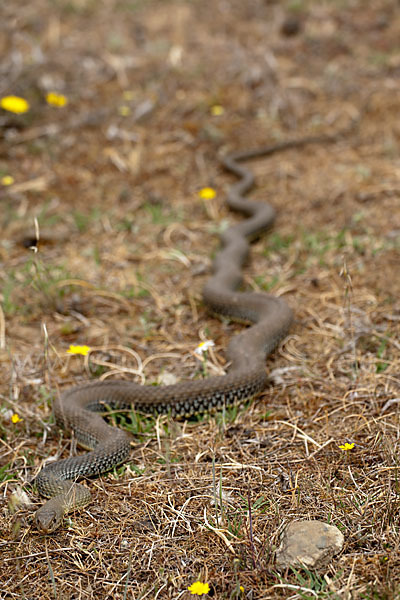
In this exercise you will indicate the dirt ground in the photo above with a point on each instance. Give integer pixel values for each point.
(157, 91)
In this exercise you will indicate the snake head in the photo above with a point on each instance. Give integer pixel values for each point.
(47, 519)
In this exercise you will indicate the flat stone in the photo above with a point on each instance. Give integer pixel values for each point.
(310, 544)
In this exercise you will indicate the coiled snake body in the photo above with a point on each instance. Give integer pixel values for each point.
(78, 408)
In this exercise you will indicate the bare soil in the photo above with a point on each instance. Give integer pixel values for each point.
(157, 91)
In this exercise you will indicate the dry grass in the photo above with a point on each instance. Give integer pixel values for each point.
(125, 248)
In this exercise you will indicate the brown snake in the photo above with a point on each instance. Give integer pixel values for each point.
(78, 408)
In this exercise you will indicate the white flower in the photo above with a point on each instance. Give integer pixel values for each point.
(203, 347)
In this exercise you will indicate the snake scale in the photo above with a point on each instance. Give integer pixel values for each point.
(78, 408)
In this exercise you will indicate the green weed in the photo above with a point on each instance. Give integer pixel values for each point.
(159, 216)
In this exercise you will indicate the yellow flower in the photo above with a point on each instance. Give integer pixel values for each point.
(347, 446)
(124, 110)
(14, 104)
(55, 99)
(217, 110)
(128, 95)
(7, 180)
(199, 588)
(207, 193)
(84, 350)
(15, 418)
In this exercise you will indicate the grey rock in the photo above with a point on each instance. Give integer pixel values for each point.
(310, 544)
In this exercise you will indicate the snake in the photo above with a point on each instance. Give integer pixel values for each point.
(79, 408)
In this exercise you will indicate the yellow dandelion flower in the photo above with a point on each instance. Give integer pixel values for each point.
(15, 418)
(347, 446)
(217, 110)
(124, 110)
(128, 95)
(84, 350)
(199, 588)
(55, 99)
(207, 193)
(7, 180)
(14, 104)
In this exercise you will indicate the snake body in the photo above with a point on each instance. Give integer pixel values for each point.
(78, 408)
